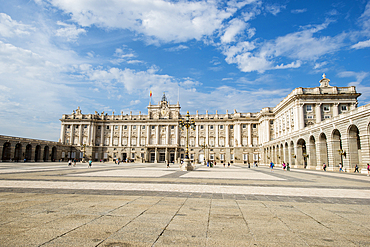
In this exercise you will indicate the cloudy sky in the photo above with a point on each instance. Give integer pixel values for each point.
(56, 55)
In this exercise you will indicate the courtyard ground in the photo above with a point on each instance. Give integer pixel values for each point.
(52, 204)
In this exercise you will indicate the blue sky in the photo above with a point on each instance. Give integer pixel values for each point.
(56, 55)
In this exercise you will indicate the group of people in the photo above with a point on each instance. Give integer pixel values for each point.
(75, 161)
(284, 165)
(342, 170)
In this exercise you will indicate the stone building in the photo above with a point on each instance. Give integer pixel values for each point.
(309, 127)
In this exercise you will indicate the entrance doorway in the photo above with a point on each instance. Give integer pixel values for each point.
(152, 157)
(124, 156)
(162, 157)
(172, 157)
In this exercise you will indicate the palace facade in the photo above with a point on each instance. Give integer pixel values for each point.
(309, 127)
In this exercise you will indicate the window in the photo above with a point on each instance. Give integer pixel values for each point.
(134, 127)
(132, 155)
(308, 107)
(231, 127)
(108, 127)
(201, 127)
(116, 127)
(222, 156)
(244, 126)
(76, 126)
(344, 108)
(85, 126)
(245, 156)
(271, 121)
(172, 127)
(326, 117)
(143, 127)
(231, 156)
(310, 117)
(326, 108)
(98, 127)
(211, 127)
(211, 156)
(68, 126)
(125, 127)
(153, 127)
(254, 126)
(191, 156)
(221, 127)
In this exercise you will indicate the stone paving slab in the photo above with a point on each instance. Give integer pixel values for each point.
(50, 207)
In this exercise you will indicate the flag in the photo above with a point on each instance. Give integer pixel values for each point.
(150, 94)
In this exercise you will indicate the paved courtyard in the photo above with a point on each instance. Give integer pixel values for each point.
(51, 204)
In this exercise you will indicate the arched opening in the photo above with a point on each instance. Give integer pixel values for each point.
(286, 154)
(292, 153)
(37, 153)
(54, 154)
(28, 154)
(337, 148)
(18, 152)
(354, 146)
(301, 153)
(46, 153)
(312, 152)
(6, 151)
(323, 149)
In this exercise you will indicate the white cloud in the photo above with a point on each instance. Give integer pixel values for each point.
(235, 27)
(361, 44)
(177, 48)
(298, 11)
(10, 27)
(69, 31)
(300, 46)
(319, 65)
(160, 20)
(295, 64)
(275, 8)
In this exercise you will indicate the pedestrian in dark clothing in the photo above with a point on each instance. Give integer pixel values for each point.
(356, 168)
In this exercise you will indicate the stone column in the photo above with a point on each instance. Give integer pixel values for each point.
(167, 136)
(120, 136)
(93, 139)
(138, 135)
(157, 135)
(301, 116)
(88, 141)
(335, 109)
(72, 133)
(129, 137)
(62, 133)
(177, 134)
(250, 143)
(216, 130)
(207, 134)
(238, 135)
(227, 135)
(80, 141)
(111, 135)
(318, 112)
(156, 156)
(196, 135)
(102, 135)
(148, 134)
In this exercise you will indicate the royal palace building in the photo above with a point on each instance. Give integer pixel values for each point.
(309, 127)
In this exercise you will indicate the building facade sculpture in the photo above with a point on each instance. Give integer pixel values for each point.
(309, 127)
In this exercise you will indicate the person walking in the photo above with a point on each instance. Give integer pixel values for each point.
(228, 164)
(168, 164)
(90, 163)
(69, 162)
(272, 166)
(340, 167)
(324, 167)
(224, 164)
(356, 168)
(368, 169)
